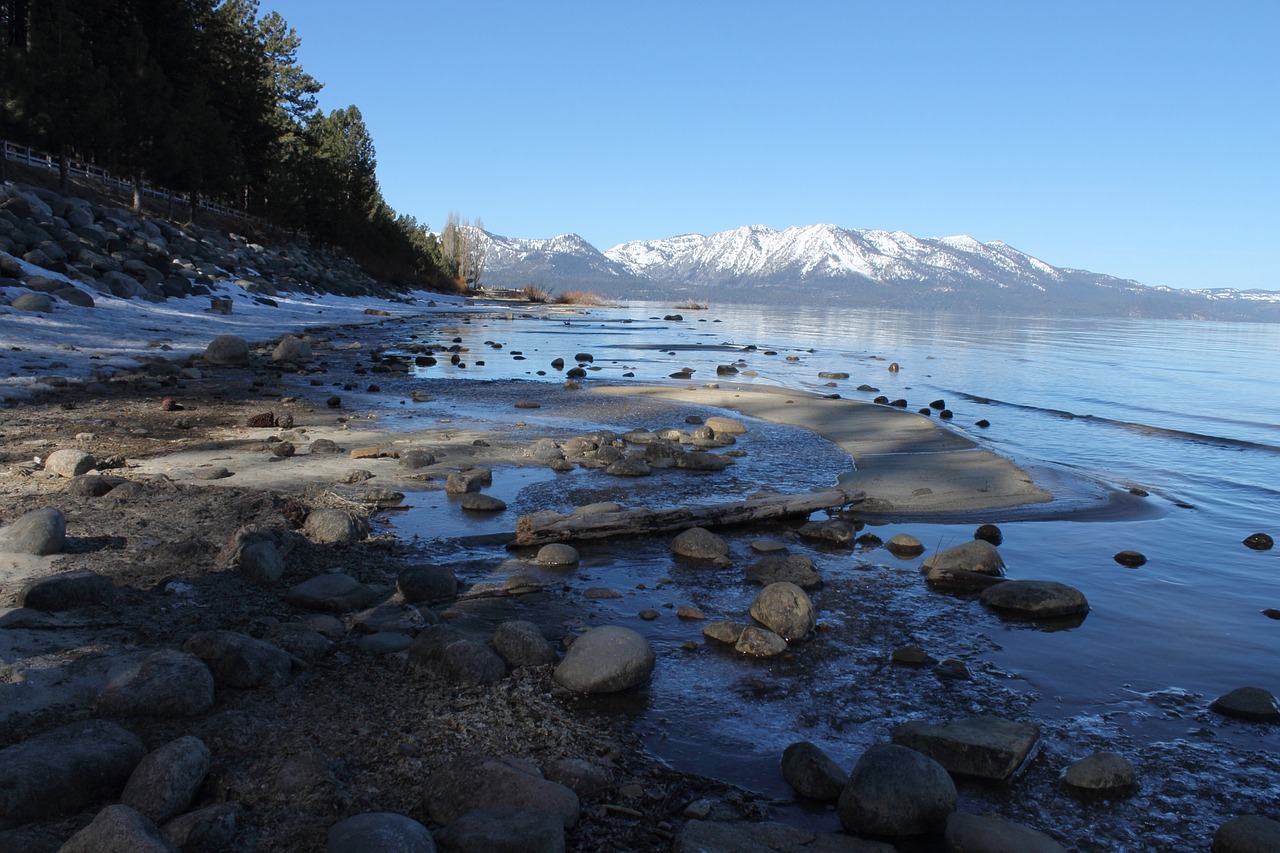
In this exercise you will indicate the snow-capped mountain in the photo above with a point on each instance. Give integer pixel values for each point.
(864, 268)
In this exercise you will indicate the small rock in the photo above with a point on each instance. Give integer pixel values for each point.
(412, 460)
(261, 562)
(469, 782)
(989, 533)
(166, 683)
(812, 773)
(70, 462)
(1259, 542)
(1035, 599)
(1130, 559)
(978, 556)
(380, 832)
(1102, 774)
(832, 530)
(759, 643)
(208, 829)
(67, 591)
(904, 545)
(728, 426)
(332, 592)
(557, 555)
(471, 480)
(227, 350)
(262, 420)
(427, 584)
(331, 526)
(606, 659)
(794, 568)
(690, 612)
(292, 349)
(444, 653)
(913, 656)
(92, 485)
(723, 631)
(384, 643)
(1248, 703)
(283, 449)
(213, 472)
(515, 829)
(985, 746)
(521, 643)
(40, 302)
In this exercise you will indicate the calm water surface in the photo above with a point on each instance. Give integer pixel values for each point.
(1188, 412)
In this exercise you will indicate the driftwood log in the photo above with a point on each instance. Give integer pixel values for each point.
(541, 528)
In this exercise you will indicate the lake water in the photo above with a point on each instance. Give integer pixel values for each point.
(1187, 412)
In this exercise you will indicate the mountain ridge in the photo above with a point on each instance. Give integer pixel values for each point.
(872, 267)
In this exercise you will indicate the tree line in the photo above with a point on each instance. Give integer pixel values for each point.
(206, 97)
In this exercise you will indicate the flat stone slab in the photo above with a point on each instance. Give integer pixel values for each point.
(986, 747)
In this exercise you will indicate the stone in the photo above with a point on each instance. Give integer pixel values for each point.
(468, 782)
(427, 584)
(480, 502)
(325, 445)
(444, 653)
(832, 530)
(1035, 599)
(812, 773)
(384, 643)
(989, 533)
(557, 555)
(331, 527)
(213, 472)
(39, 532)
(67, 591)
(583, 777)
(785, 609)
(521, 643)
(794, 568)
(504, 830)
(70, 462)
(412, 460)
(894, 791)
(715, 836)
(1130, 559)
(628, 467)
(759, 643)
(1247, 834)
(332, 592)
(904, 545)
(729, 426)
(1248, 703)
(261, 562)
(698, 543)
(380, 832)
(723, 631)
(701, 460)
(227, 351)
(1259, 542)
(978, 556)
(93, 485)
(167, 780)
(205, 830)
(29, 840)
(967, 833)
(65, 769)
(166, 683)
(1102, 774)
(38, 302)
(471, 480)
(119, 829)
(262, 420)
(238, 660)
(606, 659)
(985, 746)
(292, 349)
(913, 656)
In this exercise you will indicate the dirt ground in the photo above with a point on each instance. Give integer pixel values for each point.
(360, 731)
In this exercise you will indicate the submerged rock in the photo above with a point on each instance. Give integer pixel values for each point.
(698, 543)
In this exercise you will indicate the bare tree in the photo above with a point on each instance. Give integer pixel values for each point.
(464, 247)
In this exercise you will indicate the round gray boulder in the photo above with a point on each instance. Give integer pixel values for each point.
(977, 555)
(605, 660)
(785, 609)
(1035, 599)
(894, 791)
(40, 532)
(557, 554)
(1248, 703)
(70, 462)
(331, 527)
(380, 832)
(292, 349)
(1102, 774)
(698, 543)
(227, 351)
(521, 643)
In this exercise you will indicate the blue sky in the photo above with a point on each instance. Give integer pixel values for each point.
(1133, 138)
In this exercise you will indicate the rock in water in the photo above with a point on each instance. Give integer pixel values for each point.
(40, 532)
(1248, 703)
(1035, 599)
(985, 746)
(904, 545)
(1102, 774)
(785, 609)
(605, 660)
(978, 556)
(894, 791)
(698, 543)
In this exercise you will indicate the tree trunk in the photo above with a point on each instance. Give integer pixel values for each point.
(541, 528)
(137, 195)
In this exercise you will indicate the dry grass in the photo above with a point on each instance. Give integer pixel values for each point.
(692, 305)
(581, 297)
(533, 293)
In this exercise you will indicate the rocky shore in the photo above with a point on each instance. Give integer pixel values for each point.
(211, 638)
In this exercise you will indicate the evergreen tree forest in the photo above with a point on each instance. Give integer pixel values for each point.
(205, 97)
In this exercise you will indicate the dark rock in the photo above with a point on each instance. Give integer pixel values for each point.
(985, 746)
(521, 643)
(700, 544)
(292, 349)
(582, 776)
(64, 770)
(443, 653)
(989, 533)
(1248, 703)
(92, 485)
(262, 420)
(1035, 599)
(324, 445)
(606, 659)
(332, 592)
(261, 562)
(1102, 774)
(978, 556)
(833, 530)
(207, 830)
(904, 545)
(1247, 834)
(1259, 542)
(414, 459)
(480, 502)
(227, 350)
(794, 568)
(723, 631)
(469, 782)
(894, 791)
(39, 532)
(471, 480)
(332, 527)
(381, 832)
(427, 583)
(1131, 559)
(557, 555)
(67, 591)
(785, 609)
(966, 833)
(119, 829)
(165, 684)
(29, 841)
(504, 830)
(166, 781)
(913, 656)
(39, 302)
(714, 836)
(238, 660)
(812, 773)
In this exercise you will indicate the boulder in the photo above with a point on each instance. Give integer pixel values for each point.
(729, 426)
(67, 591)
(967, 833)
(39, 302)
(1248, 703)
(985, 746)
(698, 543)
(292, 349)
(525, 830)
(791, 568)
(1035, 599)
(904, 545)
(380, 832)
(715, 836)
(165, 684)
(894, 791)
(64, 770)
(521, 643)
(470, 480)
(209, 829)
(445, 653)
(724, 631)
(331, 527)
(1102, 774)
(427, 584)
(468, 782)
(557, 555)
(69, 462)
(227, 351)
(606, 659)
(785, 609)
(261, 562)
(412, 460)
(584, 777)
(1247, 834)
(832, 530)
(119, 829)
(166, 781)
(40, 532)
(238, 660)
(759, 643)
(978, 556)
(332, 592)
(480, 502)
(812, 773)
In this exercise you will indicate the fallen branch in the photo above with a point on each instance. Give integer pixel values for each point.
(541, 528)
